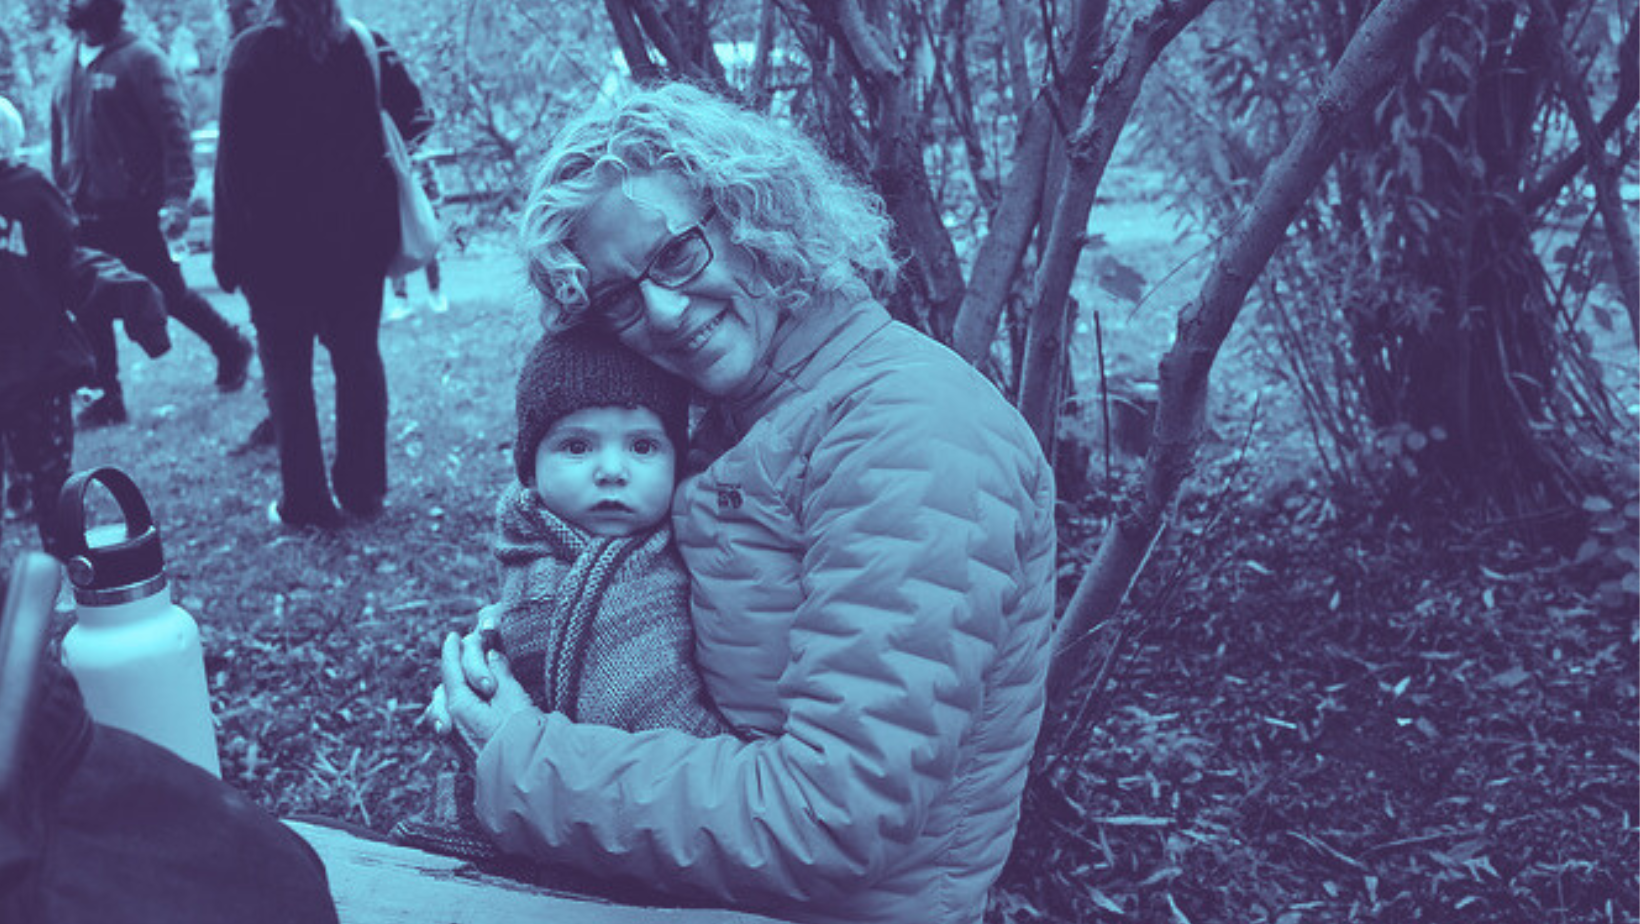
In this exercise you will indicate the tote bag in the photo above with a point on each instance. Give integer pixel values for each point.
(419, 231)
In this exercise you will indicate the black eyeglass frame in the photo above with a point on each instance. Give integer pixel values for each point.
(603, 308)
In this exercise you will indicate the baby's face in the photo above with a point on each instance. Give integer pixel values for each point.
(608, 470)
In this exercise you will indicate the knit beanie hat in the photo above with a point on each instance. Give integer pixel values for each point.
(586, 367)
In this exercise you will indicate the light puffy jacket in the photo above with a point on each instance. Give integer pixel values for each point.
(873, 580)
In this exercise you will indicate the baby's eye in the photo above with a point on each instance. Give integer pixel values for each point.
(645, 446)
(575, 446)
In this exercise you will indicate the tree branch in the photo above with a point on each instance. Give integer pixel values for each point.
(1556, 177)
(629, 35)
(1016, 216)
(1089, 151)
(1376, 53)
(1619, 238)
(877, 65)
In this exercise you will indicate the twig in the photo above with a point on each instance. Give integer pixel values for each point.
(1328, 850)
(1420, 839)
(1104, 390)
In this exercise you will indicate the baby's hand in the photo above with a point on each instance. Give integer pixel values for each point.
(437, 713)
(475, 648)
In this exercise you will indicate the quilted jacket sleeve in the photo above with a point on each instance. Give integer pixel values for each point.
(913, 523)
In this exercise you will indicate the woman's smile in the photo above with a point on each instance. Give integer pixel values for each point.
(701, 336)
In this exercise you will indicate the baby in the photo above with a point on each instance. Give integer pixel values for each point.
(594, 608)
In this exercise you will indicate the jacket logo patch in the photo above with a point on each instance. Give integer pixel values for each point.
(728, 497)
(11, 237)
(102, 81)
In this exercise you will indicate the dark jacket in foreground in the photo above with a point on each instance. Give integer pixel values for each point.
(304, 193)
(119, 131)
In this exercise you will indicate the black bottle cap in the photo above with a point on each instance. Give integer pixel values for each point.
(133, 560)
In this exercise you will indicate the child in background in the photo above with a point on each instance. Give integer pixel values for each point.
(46, 283)
(594, 610)
(43, 356)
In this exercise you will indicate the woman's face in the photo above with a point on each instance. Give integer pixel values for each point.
(709, 329)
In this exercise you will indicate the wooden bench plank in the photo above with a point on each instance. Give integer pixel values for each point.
(380, 883)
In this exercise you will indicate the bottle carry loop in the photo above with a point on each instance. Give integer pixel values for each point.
(105, 575)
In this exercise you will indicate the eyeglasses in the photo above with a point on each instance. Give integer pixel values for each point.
(617, 305)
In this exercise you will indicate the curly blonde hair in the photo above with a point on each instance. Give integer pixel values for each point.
(810, 228)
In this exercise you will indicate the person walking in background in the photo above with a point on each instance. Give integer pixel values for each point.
(121, 152)
(241, 15)
(306, 222)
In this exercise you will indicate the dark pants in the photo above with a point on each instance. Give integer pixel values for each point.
(39, 438)
(345, 317)
(401, 284)
(134, 238)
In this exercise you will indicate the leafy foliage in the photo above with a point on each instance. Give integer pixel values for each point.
(500, 77)
(1439, 357)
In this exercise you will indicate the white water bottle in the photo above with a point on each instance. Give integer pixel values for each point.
(135, 654)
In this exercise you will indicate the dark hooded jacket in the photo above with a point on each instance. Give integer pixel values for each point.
(41, 349)
(119, 131)
(304, 193)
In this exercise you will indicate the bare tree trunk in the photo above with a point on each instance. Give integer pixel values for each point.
(1013, 42)
(897, 167)
(1374, 55)
(758, 93)
(1016, 216)
(629, 35)
(1089, 151)
(1613, 216)
(679, 34)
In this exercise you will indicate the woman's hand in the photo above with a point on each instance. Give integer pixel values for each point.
(475, 717)
(476, 647)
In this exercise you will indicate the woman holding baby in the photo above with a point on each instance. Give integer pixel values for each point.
(868, 534)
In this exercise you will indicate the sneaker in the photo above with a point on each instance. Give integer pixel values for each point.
(400, 309)
(107, 411)
(438, 302)
(325, 519)
(233, 365)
